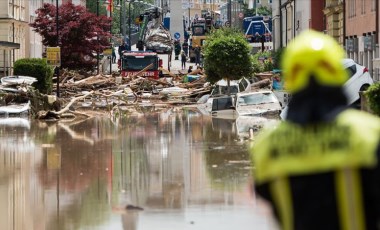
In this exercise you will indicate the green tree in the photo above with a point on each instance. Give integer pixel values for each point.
(261, 10)
(227, 55)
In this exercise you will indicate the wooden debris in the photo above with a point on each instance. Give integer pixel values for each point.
(83, 90)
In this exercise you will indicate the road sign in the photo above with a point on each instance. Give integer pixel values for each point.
(53, 55)
(227, 23)
(177, 35)
(107, 52)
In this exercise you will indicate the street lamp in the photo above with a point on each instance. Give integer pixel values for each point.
(129, 23)
(109, 4)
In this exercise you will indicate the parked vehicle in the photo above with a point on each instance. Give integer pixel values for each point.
(359, 80)
(257, 25)
(133, 62)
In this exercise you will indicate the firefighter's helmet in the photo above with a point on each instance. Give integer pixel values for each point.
(314, 54)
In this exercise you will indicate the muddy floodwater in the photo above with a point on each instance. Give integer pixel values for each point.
(153, 169)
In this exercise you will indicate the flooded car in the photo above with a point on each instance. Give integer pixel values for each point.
(257, 103)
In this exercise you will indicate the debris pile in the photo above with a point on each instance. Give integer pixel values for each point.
(79, 91)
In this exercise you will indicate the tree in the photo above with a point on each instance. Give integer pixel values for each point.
(77, 33)
(227, 55)
(261, 10)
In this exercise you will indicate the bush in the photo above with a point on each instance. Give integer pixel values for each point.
(262, 61)
(38, 68)
(373, 97)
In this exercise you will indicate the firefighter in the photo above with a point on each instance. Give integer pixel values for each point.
(319, 168)
(177, 49)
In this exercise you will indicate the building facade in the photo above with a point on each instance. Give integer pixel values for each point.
(14, 29)
(353, 23)
(361, 33)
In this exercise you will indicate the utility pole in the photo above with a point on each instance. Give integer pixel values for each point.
(123, 20)
(129, 23)
(229, 16)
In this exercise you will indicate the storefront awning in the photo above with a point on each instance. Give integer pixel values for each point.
(9, 45)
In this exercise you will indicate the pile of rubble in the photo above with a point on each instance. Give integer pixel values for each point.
(79, 91)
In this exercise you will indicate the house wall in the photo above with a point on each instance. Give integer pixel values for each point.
(14, 28)
(302, 16)
(360, 26)
(317, 19)
(35, 40)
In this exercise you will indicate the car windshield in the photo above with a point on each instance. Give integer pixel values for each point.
(139, 63)
(223, 90)
(222, 103)
(256, 99)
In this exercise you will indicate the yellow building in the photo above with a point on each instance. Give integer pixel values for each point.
(334, 14)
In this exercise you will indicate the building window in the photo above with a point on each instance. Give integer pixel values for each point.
(373, 5)
(258, 1)
(351, 8)
(363, 7)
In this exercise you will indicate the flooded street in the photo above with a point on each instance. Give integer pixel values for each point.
(172, 168)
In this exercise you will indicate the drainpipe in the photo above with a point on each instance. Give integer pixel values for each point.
(377, 22)
(294, 19)
(344, 21)
(286, 26)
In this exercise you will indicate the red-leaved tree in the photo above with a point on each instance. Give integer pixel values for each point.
(80, 33)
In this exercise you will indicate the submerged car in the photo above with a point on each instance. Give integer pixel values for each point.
(258, 103)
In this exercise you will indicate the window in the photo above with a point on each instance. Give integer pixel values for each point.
(363, 7)
(373, 5)
(351, 70)
(222, 103)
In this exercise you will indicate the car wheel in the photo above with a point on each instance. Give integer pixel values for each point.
(358, 103)
(364, 87)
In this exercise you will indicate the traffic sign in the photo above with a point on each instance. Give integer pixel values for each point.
(227, 23)
(241, 15)
(177, 35)
(53, 55)
(107, 52)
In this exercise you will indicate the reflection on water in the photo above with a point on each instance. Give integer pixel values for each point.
(175, 168)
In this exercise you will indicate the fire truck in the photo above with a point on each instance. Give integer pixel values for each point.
(133, 62)
(153, 39)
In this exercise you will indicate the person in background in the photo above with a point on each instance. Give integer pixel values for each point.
(113, 54)
(123, 47)
(185, 47)
(190, 69)
(319, 168)
(197, 52)
(183, 59)
(177, 49)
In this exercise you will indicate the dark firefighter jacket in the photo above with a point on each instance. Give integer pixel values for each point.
(323, 176)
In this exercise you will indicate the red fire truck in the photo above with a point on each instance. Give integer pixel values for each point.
(133, 62)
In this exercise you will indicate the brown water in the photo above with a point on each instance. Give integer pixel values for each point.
(183, 169)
